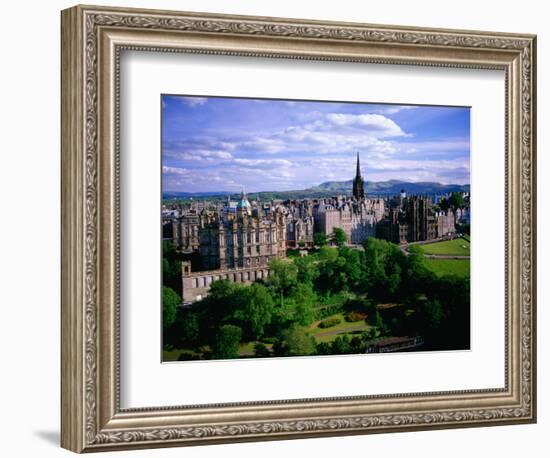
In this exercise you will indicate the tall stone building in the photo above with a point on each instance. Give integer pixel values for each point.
(356, 216)
(236, 243)
(185, 232)
(357, 219)
(414, 219)
(299, 222)
(241, 239)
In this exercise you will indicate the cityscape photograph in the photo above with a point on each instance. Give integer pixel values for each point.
(313, 228)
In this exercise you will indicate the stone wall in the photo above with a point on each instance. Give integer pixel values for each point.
(197, 284)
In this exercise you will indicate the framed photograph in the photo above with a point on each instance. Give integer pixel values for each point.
(278, 228)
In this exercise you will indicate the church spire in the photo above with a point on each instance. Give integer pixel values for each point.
(358, 183)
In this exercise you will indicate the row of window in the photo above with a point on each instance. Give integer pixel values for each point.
(201, 282)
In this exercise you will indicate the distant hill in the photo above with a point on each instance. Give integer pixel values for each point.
(392, 187)
(332, 188)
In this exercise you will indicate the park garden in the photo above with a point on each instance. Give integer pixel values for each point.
(335, 300)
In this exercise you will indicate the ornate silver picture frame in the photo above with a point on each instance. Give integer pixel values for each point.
(93, 39)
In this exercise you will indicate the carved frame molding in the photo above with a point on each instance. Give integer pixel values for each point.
(92, 39)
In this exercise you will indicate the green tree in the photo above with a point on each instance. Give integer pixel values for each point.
(320, 239)
(340, 271)
(454, 293)
(171, 267)
(361, 304)
(186, 328)
(357, 345)
(283, 276)
(297, 342)
(371, 334)
(226, 342)
(327, 254)
(375, 319)
(170, 302)
(352, 266)
(416, 277)
(341, 345)
(456, 201)
(220, 304)
(430, 316)
(444, 204)
(254, 311)
(308, 270)
(339, 237)
(384, 263)
(305, 300)
(323, 348)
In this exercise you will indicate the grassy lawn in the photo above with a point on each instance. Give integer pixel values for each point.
(330, 334)
(460, 267)
(456, 247)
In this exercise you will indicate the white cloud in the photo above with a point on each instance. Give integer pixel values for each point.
(262, 162)
(201, 155)
(376, 124)
(193, 101)
(393, 109)
(175, 170)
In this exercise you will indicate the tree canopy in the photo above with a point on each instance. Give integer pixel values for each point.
(283, 276)
(170, 302)
(320, 239)
(226, 342)
(339, 236)
(393, 292)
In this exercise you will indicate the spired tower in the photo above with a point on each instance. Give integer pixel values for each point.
(358, 183)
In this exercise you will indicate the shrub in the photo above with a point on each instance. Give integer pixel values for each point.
(356, 345)
(269, 340)
(323, 348)
(329, 323)
(355, 316)
(328, 310)
(341, 345)
(261, 350)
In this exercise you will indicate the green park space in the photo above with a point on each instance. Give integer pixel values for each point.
(342, 327)
(456, 247)
(441, 267)
(330, 302)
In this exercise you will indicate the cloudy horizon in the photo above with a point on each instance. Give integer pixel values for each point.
(216, 144)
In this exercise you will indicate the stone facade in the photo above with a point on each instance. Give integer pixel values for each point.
(195, 285)
(241, 239)
(413, 219)
(185, 232)
(358, 219)
(299, 222)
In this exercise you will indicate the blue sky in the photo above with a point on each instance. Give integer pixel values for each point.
(225, 144)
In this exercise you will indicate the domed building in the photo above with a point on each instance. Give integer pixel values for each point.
(243, 206)
(246, 239)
